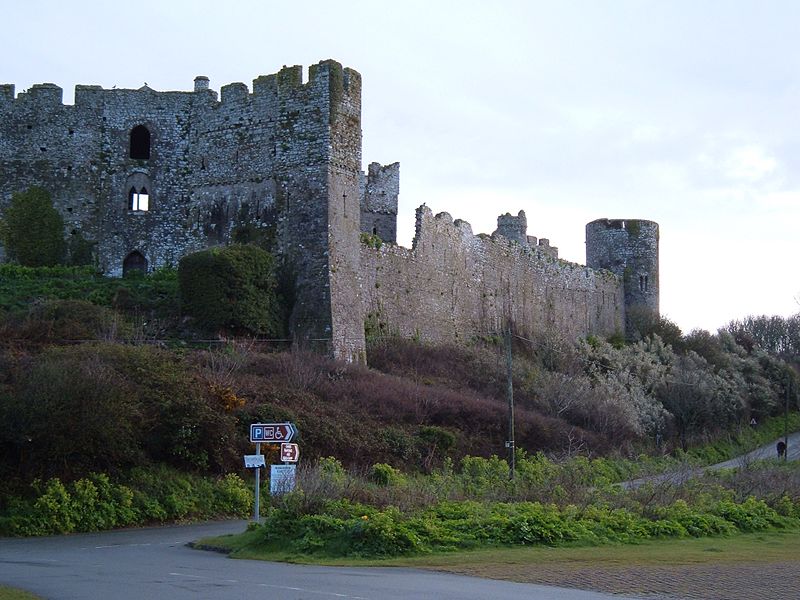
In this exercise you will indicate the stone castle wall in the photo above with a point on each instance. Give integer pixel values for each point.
(270, 158)
(283, 159)
(453, 286)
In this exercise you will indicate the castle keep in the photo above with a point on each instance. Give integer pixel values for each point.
(151, 176)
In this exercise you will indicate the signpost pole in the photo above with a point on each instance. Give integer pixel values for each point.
(786, 418)
(256, 504)
(512, 451)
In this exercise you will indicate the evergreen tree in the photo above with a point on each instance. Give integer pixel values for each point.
(32, 230)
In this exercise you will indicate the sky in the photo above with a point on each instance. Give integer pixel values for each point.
(683, 112)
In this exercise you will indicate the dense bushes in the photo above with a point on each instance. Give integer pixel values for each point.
(232, 289)
(143, 303)
(32, 230)
(96, 503)
(644, 394)
(339, 514)
(74, 409)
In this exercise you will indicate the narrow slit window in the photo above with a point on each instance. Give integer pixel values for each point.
(140, 143)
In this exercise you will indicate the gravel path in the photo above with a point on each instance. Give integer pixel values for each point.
(740, 581)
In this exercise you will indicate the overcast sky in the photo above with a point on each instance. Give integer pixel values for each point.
(682, 112)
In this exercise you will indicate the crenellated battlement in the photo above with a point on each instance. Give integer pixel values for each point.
(328, 80)
(149, 176)
(454, 285)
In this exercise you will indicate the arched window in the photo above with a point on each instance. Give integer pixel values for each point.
(135, 261)
(138, 200)
(140, 143)
(139, 195)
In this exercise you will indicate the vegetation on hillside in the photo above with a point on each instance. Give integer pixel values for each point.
(385, 513)
(232, 289)
(32, 230)
(101, 375)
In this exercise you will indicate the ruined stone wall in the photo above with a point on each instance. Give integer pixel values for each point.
(264, 159)
(380, 189)
(282, 161)
(453, 286)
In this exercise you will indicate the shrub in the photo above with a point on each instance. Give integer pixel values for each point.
(231, 289)
(385, 475)
(32, 230)
(65, 321)
(96, 503)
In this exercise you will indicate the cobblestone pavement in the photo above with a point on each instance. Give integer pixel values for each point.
(737, 581)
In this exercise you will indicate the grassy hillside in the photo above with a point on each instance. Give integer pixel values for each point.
(100, 374)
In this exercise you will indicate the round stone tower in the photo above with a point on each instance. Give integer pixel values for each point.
(628, 248)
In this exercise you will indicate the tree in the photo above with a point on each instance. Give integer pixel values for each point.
(32, 230)
(644, 322)
(231, 289)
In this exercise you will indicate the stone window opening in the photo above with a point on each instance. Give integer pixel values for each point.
(374, 231)
(642, 283)
(140, 143)
(138, 200)
(135, 261)
(140, 192)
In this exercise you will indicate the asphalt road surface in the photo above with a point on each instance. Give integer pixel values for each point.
(767, 451)
(156, 563)
(764, 452)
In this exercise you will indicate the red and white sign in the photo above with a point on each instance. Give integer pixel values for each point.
(272, 432)
(290, 452)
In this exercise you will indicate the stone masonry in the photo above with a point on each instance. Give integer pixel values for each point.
(151, 176)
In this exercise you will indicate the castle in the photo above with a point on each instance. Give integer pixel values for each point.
(151, 176)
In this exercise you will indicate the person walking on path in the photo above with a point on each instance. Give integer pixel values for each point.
(781, 447)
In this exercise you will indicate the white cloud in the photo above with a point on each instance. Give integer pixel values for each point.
(749, 163)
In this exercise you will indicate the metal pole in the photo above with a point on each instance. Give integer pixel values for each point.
(257, 503)
(510, 393)
(786, 418)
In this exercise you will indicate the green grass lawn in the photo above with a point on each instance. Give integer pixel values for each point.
(504, 563)
(7, 593)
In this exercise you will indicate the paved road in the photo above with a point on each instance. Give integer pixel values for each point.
(155, 563)
(767, 451)
(764, 452)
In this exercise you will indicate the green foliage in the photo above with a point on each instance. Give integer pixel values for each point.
(344, 528)
(371, 240)
(155, 294)
(106, 407)
(32, 230)
(232, 289)
(80, 251)
(95, 503)
(384, 475)
(644, 322)
(775, 334)
(65, 321)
